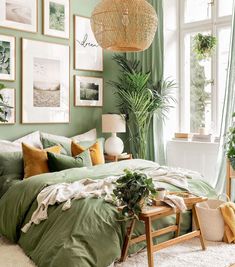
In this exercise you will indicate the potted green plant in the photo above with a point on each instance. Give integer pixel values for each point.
(230, 144)
(139, 99)
(3, 106)
(204, 45)
(132, 191)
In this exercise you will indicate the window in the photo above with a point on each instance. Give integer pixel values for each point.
(203, 81)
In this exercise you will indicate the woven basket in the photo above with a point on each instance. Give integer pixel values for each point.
(211, 219)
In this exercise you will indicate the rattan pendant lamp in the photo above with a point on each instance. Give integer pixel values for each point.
(124, 25)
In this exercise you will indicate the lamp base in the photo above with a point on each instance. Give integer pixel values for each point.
(113, 145)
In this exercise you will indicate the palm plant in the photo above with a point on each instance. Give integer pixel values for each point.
(3, 105)
(139, 100)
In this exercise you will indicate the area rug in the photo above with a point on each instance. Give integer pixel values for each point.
(182, 255)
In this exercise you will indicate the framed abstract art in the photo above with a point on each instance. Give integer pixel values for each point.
(56, 18)
(19, 14)
(88, 54)
(45, 82)
(7, 113)
(7, 58)
(88, 91)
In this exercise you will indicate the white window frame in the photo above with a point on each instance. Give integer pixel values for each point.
(213, 25)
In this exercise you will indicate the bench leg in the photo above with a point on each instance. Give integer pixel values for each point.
(178, 219)
(198, 226)
(149, 240)
(127, 241)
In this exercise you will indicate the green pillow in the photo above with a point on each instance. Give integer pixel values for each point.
(57, 162)
(66, 146)
(11, 163)
(87, 144)
(6, 181)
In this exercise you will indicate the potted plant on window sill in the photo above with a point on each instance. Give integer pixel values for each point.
(230, 144)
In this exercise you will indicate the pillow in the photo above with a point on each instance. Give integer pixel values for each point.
(6, 146)
(32, 139)
(58, 162)
(65, 146)
(35, 160)
(6, 181)
(87, 144)
(11, 163)
(88, 136)
(97, 155)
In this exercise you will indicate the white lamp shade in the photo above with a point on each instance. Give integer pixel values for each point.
(113, 123)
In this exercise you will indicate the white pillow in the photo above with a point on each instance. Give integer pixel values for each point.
(57, 138)
(6, 146)
(88, 136)
(32, 139)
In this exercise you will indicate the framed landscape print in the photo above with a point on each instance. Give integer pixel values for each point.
(7, 113)
(56, 18)
(88, 91)
(88, 54)
(19, 14)
(45, 82)
(7, 58)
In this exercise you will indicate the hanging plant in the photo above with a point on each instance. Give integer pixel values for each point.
(204, 45)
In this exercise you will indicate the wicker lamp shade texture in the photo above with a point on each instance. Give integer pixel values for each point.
(124, 25)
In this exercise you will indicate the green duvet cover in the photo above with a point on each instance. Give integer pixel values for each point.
(88, 234)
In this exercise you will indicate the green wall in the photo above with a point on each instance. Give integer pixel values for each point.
(81, 118)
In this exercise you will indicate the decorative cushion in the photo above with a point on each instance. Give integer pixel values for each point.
(35, 160)
(96, 152)
(6, 146)
(58, 162)
(88, 136)
(6, 181)
(11, 163)
(32, 139)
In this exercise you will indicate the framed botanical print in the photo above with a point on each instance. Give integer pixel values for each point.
(88, 91)
(45, 82)
(19, 14)
(88, 54)
(7, 58)
(7, 104)
(56, 18)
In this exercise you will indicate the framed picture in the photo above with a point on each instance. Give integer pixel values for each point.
(56, 18)
(45, 82)
(88, 54)
(19, 14)
(7, 58)
(8, 108)
(88, 91)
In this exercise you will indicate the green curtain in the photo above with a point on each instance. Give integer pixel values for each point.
(228, 109)
(152, 60)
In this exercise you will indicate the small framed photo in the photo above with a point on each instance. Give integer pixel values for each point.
(88, 54)
(19, 14)
(7, 58)
(88, 91)
(56, 18)
(45, 82)
(7, 112)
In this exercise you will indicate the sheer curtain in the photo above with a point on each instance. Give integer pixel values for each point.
(228, 109)
(152, 60)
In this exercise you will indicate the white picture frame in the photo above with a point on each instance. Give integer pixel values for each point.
(7, 58)
(56, 18)
(19, 14)
(88, 91)
(45, 82)
(88, 55)
(8, 95)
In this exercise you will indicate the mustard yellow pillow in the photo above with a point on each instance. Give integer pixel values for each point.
(35, 160)
(96, 153)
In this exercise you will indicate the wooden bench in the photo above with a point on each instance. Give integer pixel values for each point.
(152, 213)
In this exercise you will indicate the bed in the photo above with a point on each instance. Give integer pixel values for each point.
(89, 233)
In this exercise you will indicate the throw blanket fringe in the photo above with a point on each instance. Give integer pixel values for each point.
(65, 192)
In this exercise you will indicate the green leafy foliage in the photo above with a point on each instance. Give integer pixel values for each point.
(230, 144)
(131, 190)
(57, 16)
(140, 99)
(5, 57)
(204, 45)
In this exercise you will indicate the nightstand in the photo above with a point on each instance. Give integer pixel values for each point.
(124, 156)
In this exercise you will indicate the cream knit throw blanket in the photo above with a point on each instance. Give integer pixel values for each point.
(65, 192)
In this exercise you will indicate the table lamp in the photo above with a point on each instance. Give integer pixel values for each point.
(113, 123)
